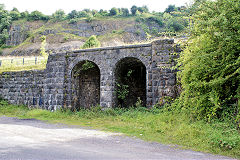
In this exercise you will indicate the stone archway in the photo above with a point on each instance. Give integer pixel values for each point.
(85, 79)
(130, 76)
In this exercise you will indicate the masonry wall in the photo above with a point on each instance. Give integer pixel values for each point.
(24, 87)
(54, 82)
(53, 87)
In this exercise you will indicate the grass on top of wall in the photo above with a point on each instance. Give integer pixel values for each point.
(159, 125)
(13, 64)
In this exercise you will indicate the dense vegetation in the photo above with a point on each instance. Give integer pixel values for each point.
(210, 63)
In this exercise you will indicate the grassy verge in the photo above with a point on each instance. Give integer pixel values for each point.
(9, 64)
(159, 125)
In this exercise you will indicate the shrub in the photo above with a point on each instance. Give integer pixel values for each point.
(114, 12)
(91, 42)
(134, 10)
(36, 15)
(73, 21)
(210, 64)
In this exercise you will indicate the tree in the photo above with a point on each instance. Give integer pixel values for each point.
(134, 10)
(5, 22)
(59, 15)
(114, 12)
(125, 12)
(82, 14)
(143, 9)
(94, 12)
(174, 24)
(15, 15)
(103, 12)
(36, 15)
(91, 42)
(24, 14)
(170, 9)
(73, 14)
(210, 64)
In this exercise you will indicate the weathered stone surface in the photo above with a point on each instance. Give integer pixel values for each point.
(54, 87)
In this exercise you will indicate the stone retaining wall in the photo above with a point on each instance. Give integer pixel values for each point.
(24, 87)
(53, 87)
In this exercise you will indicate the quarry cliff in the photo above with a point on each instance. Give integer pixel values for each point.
(25, 36)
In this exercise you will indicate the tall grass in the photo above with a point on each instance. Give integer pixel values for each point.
(160, 125)
(22, 63)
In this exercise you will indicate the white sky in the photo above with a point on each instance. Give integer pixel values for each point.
(50, 6)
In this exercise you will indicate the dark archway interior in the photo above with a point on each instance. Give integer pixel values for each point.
(85, 85)
(130, 77)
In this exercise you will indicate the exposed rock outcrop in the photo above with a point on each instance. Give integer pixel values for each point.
(61, 36)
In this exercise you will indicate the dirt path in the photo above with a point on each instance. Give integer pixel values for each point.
(36, 140)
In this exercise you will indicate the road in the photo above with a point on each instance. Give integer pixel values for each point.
(30, 139)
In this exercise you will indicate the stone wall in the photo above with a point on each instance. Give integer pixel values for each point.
(55, 87)
(23, 87)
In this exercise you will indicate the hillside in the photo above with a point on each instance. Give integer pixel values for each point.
(60, 36)
(21, 32)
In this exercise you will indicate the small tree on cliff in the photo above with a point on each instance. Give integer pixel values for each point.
(92, 42)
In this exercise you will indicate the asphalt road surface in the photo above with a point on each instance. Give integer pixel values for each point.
(31, 139)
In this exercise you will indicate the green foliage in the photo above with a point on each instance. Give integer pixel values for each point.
(5, 22)
(36, 15)
(59, 15)
(73, 21)
(83, 14)
(122, 91)
(73, 14)
(125, 12)
(143, 9)
(87, 65)
(43, 45)
(3, 36)
(170, 9)
(84, 67)
(92, 42)
(118, 31)
(24, 14)
(174, 24)
(210, 63)
(89, 19)
(15, 15)
(113, 12)
(156, 19)
(134, 10)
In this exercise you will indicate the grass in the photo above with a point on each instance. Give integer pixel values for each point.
(16, 63)
(159, 125)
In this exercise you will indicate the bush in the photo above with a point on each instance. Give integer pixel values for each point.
(210, 64)
(15, 15)
(73, 21)
(36, 15)
(134, 10)
(91, 42)
(59, 15)
(114, 12)
(156, 19)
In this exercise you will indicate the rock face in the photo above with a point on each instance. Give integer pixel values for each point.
(58, 85)
(17, 35)
(62, 36)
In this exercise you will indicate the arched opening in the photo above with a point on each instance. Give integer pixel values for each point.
(130, 75)
(85, 85)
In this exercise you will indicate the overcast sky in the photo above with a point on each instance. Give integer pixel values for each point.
(50, 6)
